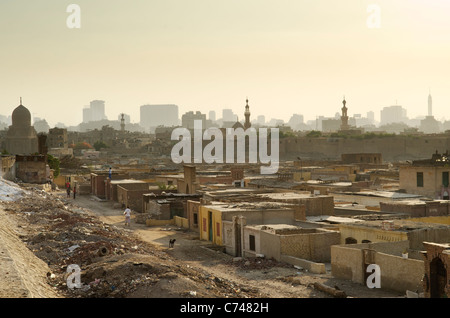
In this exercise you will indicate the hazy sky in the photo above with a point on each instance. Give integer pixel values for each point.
(286, 56)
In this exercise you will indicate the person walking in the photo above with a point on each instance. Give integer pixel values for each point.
(68, 191)
(74, 191)
(127, 214)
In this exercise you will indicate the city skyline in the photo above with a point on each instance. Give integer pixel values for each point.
(376, 120)
(297, 57)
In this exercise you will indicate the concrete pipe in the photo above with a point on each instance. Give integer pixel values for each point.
(102, 251)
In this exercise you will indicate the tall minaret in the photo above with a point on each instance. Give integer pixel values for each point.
(122, 122)
(344, 117)
(247, 123)
(430, 105)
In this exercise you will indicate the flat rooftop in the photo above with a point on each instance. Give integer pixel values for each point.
(332, 219)
(126, 181)
(254, 206)
(289, 195)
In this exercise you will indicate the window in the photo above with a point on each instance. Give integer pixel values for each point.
(251, 239)
(350, 240)
(419, 179)
(195, 219)
(217, 229)
(445, 179)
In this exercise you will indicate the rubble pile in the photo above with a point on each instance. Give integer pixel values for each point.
(70, 162)
(256, 263)
(113, 262)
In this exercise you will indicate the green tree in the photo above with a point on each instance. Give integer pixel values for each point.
(53, 163)
(99, 145)
(314, 133)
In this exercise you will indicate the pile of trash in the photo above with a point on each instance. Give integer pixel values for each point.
(64, 235)
(256, 263)
(9, 191)
(112, 261)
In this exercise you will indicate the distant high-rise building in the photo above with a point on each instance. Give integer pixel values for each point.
(261, 120)
(152, 116)
(95, 111)
(87, 117)
(371, 116)
(228, 115)
(212, 115)
(187, 120)
(393, 114)
(98, 110)
(296, 122)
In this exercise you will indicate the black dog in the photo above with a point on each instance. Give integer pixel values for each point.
(171, 242)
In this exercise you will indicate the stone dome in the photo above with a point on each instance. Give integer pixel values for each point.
(21, 116)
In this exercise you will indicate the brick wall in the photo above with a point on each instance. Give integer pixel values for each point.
(422, 209)
(441, 253)
(310, 246)
(31, 171)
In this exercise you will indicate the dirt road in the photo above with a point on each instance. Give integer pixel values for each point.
(269, 278)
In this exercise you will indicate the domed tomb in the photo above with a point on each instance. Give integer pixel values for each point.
(21, 137)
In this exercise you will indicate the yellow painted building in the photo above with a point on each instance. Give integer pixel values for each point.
(368, 234)
(210, 223)
(212, 216)
(433, 219)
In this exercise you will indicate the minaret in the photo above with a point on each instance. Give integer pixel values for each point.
(344, 117)
(247, 123)
(430, 105)
(122, 123)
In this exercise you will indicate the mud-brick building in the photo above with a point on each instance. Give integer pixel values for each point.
(100, 184)
(32, 169)
(436, 281)
(284, 242)
(373, 158)
(429, 178)
(165, 205)
(418, 208)
(214, 217)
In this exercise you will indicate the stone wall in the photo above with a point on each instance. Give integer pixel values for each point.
(400, 147)
(311, 246)
(397, 273)
(440, 234)
(31, 169)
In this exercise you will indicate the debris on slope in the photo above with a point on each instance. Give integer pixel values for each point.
(9, 191)
(113, 262)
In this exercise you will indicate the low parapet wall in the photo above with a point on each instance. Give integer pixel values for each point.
(316, 268)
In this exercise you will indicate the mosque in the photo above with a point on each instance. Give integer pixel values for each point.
(21, 138)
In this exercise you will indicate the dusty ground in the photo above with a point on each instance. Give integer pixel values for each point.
(265, 278)
(38, 232)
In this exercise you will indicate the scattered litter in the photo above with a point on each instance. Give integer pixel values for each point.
(73, 247)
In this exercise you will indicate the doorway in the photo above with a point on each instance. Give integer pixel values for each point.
(438, 278)
(210, 228)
